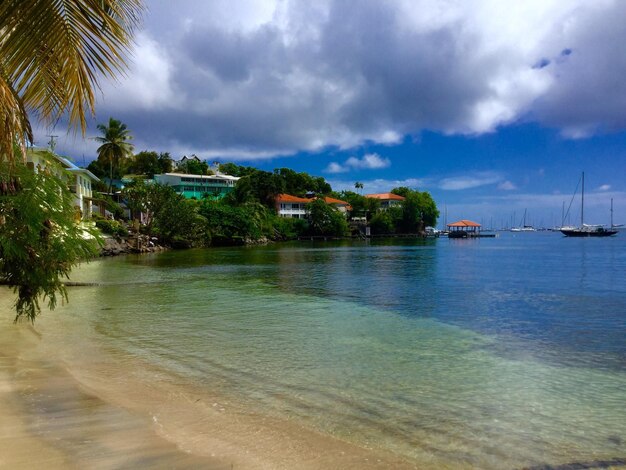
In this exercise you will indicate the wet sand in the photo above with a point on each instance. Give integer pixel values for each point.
(55, 417)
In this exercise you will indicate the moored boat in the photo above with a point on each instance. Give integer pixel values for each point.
(586, 230)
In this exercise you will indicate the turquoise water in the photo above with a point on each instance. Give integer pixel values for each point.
(491, 353)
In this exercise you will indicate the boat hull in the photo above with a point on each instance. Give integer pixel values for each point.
(601, 232)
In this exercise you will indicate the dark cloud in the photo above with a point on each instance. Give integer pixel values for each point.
(337, 73)
(541, 63)
(588, 94)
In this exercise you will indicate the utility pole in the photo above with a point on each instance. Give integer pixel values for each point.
(52, 143)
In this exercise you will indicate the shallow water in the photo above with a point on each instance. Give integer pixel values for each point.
(491, 353)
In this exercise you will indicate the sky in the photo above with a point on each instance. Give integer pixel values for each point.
(495, 108)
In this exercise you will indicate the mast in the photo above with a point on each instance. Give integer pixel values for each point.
(582, 203)
(611, 212)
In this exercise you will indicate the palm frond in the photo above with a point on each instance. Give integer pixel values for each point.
(14, 124)
(55, 51)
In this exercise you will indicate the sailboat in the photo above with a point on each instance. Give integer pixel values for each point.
(587, 230)
(524, 227)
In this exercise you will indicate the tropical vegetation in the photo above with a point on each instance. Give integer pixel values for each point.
(52, 55)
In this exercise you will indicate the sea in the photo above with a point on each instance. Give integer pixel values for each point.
(505, 352)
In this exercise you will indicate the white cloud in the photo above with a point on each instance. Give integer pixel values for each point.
(378, 185)
(457, 183)
(371, 161)
(334, 167)
(507, 186)
(261, 77)
(149, 84)
(604, 187)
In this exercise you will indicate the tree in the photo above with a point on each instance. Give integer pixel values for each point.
(266, 186)
(115, 146)
(166, 164)
(144, 163)
(418, 209)
(51, 57)
(382, 223)
(358, 185)
(325, 219)
(194, 167)
(39, 239)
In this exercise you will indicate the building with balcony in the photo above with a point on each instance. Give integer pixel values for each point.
(79, 180)
(199, 186)
(293, 207)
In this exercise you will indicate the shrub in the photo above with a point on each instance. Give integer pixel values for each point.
(112, 227)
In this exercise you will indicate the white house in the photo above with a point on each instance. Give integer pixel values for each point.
(80, 181)
(295, 207)
(291, 206)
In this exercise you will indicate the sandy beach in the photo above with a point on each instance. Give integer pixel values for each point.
(59, 418)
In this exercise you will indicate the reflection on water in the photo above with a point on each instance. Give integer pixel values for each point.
(495, 353)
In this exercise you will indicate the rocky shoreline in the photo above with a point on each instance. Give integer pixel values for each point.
(113, 246)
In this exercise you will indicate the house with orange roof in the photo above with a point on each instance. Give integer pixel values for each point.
(387, 200)
(342, 206)
(295, 207)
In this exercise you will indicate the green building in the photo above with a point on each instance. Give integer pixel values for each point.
(197, 186)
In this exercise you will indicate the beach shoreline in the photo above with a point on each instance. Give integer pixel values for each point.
(75, 419)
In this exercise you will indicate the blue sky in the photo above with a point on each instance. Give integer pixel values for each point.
(493, 107)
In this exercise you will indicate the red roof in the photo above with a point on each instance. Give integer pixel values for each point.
(464, 223)
(290, 198)
(328, 200)
(386, 196)
(332, 200)
(337, 202)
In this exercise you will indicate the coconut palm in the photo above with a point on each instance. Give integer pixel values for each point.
(52, 54)
(115, 146)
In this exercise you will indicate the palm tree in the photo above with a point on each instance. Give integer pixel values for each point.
(115, 145)
(51, 56)
(358, 185)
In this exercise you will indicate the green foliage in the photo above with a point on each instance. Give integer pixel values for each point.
(382, 223)
(99, 168)
(167, 214)
(361, 206)
(40, 240)
(265, 186)
(286, 228)
(231, 224)
(135, 194)
(176, 221)
(242, 194)
(166, 164)
(144, 163)
(326, 220)
(401, 191)
(299, 184)
(115, 148)
(418, 210)
(429, 210)
(112, 227)
(236, 170)
(192, 166)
